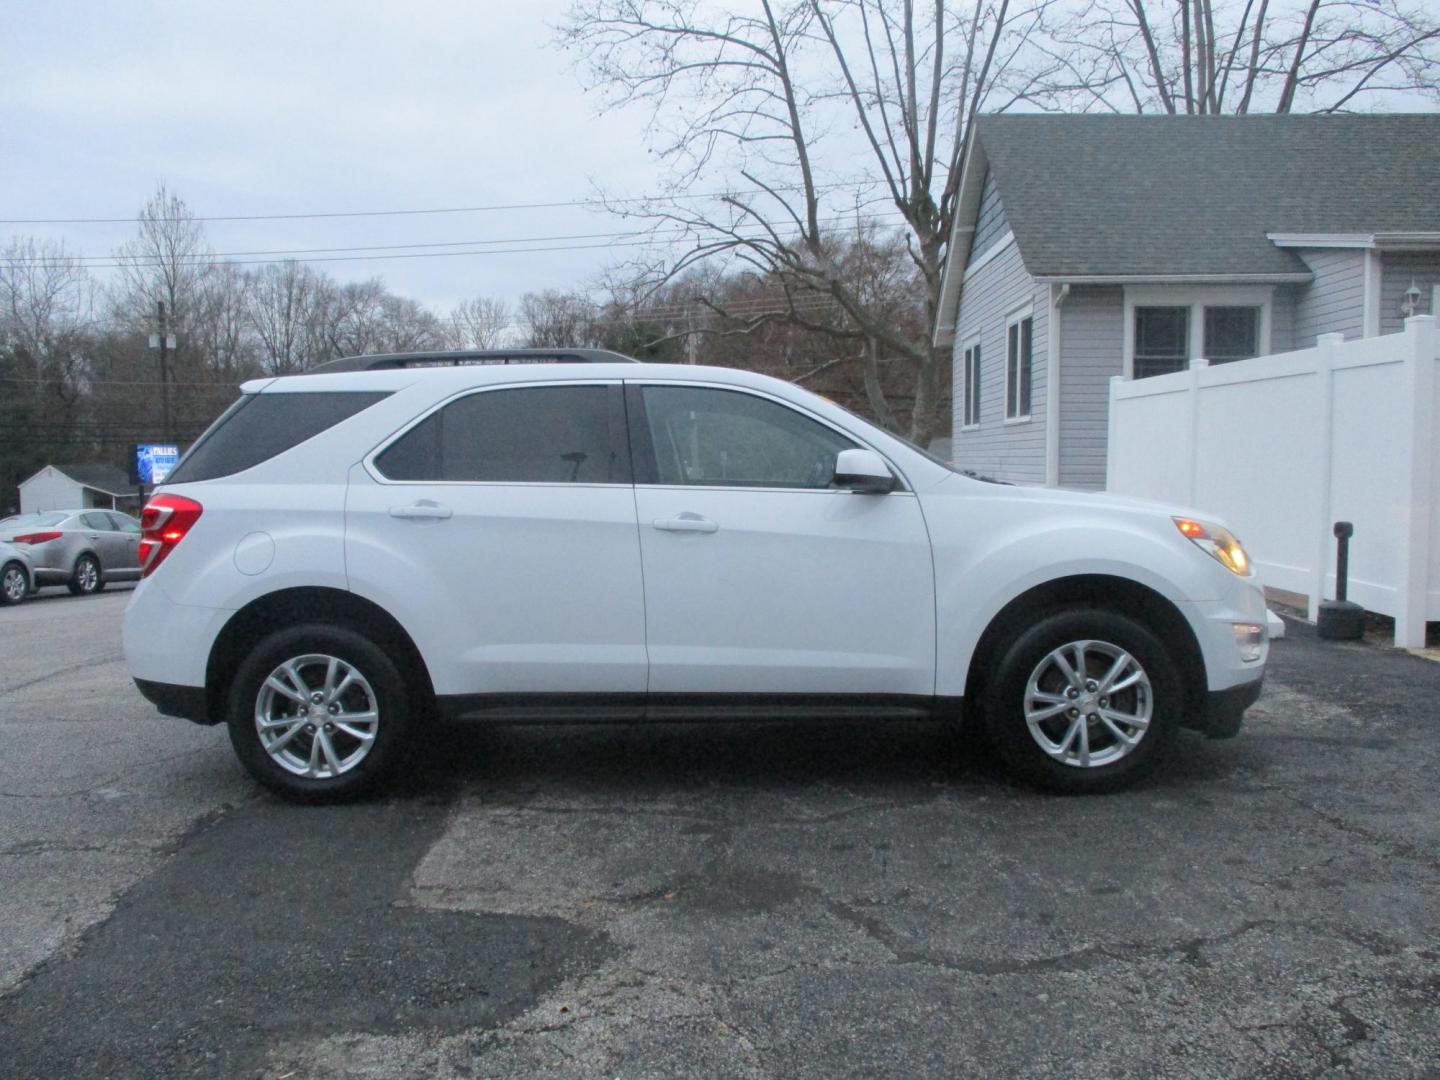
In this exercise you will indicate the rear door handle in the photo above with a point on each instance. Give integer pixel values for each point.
(686, 523)
(421, 511)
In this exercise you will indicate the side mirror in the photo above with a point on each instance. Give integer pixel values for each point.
(863, 471)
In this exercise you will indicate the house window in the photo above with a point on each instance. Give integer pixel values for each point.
(971, 413)
(1231, 333)
(1162, 336)
(1018, 350)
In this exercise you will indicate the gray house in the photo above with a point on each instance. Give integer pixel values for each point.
(1086, 247)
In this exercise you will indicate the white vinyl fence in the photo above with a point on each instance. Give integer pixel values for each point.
(1283, 446)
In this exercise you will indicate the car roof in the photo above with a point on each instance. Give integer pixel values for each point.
(457, 376)
(469, 357)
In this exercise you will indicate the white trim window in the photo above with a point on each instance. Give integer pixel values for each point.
(1019, 365)
(970, 374)
(1167, 327)
(1231, 332)
(1162, 340)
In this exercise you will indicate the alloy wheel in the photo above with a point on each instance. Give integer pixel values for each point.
(317, 716)
(13, 584)
(1088, 703)
(88, 575)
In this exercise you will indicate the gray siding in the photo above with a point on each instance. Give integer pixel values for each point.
(1282, 318)
(1334, 303)
(1014, 451)
(1092, 347)
(1397, 270)
(990, 223)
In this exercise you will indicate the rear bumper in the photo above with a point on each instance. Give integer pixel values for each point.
(185, 702)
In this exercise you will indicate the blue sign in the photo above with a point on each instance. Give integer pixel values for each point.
(155, 461)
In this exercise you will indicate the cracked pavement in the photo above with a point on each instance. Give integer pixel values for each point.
(759, 900)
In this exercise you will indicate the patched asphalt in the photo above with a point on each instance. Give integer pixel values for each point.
(813, 899)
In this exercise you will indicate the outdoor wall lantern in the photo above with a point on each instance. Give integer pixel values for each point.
(1412, 300)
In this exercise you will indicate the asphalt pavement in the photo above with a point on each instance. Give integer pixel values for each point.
(812, 899)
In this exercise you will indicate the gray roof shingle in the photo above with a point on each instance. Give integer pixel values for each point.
(106, 478)
(1163, 195)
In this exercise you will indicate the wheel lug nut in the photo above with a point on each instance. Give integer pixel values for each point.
(317, 697)
(310, 729)
(1093, 717)
(1072, 692)
(1092, 686)
(1104, 703)
(1074, 712)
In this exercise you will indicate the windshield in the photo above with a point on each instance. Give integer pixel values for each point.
(926, 454)
(944, 463)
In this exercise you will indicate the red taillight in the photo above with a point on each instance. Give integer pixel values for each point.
(163, 524)
(38, 538)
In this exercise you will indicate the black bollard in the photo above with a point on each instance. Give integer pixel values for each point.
(1340, 620)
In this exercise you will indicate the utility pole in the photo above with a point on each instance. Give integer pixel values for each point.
(163, 341)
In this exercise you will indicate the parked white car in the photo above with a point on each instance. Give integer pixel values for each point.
(347, 555)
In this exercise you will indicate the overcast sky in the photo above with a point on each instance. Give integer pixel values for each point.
(303, 106)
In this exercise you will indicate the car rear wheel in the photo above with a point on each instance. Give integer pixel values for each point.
(87, 576)
(13, 584)
(318, 713)
(1086, 700)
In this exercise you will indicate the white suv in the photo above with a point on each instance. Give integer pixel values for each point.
(346, 556)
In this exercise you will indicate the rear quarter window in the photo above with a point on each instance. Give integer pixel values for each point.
(259, 426)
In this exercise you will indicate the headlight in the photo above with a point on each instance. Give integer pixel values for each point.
(1218, 542)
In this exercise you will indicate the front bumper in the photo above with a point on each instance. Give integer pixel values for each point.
(1223, 710)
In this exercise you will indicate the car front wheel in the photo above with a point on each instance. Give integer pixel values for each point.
(1086, 700)
(318, 713)
(13, 584)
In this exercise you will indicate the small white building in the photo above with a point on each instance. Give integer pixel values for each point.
(69, 487)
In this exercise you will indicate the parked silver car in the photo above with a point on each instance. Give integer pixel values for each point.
(17, 579)
(82, 549)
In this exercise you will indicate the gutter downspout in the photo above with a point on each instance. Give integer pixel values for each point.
(1058, 293)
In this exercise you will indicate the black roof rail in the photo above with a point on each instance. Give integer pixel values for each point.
(459, 357)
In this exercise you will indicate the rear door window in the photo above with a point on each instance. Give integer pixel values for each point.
(260, 426)
(529, 434)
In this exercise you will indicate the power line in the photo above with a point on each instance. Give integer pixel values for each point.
(142, 264)
(744, 307)
(217, 259)
(46, 261)
(599, 203)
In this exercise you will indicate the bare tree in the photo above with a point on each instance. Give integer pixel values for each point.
(282, 302)
(758, 99)
(221, 327)
(46, 298)
(481, 322)
(167, 262)
(1229, 56)
(364, 317)
(552, 320)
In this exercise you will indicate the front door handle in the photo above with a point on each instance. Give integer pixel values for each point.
(421, 511)
(686, 522)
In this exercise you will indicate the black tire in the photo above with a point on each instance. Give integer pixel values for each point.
(392, 704)
(1004, 702)
(84, 583)
(8, 583)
